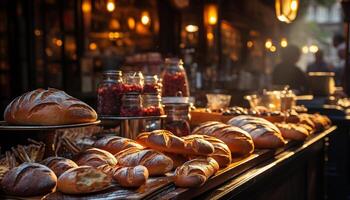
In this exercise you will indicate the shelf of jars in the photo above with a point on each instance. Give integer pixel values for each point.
(138, 102)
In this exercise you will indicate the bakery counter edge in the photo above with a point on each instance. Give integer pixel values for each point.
(295, 173)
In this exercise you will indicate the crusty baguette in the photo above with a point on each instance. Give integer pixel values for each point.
(239, 141)
(48, 107)
(95, 157)
(83, 180)
(294, 131)
(115, 144)
(156, 162)
(29, 179)
(222, 153)
(59, 164)
(165, 141)
(264, 133)
(195, 173)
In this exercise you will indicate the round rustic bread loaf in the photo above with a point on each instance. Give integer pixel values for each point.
(29, 179)
(48, 107)
(59, 164)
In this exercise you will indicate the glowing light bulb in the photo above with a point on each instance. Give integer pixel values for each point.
(273, 48)
(110, 6)
(268, 44)
(305, 49)
(145, 18)
(313, 48)
(284, 43)
(191, 28)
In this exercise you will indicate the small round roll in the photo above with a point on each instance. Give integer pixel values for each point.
(131, 176)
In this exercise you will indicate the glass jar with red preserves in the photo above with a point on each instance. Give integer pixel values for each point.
(151, 85)
(109, 93)
(152, 105)
(177, 120)
(133, 82)
(174, 79)
(131, 105)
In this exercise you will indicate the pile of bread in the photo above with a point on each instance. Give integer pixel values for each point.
(116, 160)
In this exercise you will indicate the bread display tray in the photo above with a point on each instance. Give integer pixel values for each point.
(131, 118)
(5, 126)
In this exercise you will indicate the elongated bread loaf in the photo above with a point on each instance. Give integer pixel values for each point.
(115, 144)
(239, 141)
(48, 107)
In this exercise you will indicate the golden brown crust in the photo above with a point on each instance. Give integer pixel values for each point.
(177, 159)
(222, 153)
(59, 164)
(95, 157)
(115, 144)
(156, 162)
(131, 176)
(19, 180)
(48, 107)
(195, 173)
(264, 133)
(82, 180)
(294, 131)
(165, 141)
(239, 141)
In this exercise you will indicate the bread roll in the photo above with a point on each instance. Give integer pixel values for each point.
(239, 141)
(82, 180)
(294, 131)
(264, 133)
(29, 179)
(48, 107)
(195, 173)
(165, 141)
(95, 157)
(115, 144)
(131, 176)
(222, 153)
(59, 164)
(156, 162)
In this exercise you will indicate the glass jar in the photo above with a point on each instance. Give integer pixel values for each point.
(133, 82)
(109, 93)
(131, 105)
(152, 105)
(174, 79)
(177, 120)
(151, 85)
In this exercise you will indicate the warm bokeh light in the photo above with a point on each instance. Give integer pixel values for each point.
(114, 35)
(86, 6)
(250, 44)
(131, 23)
(145, 18)
(191, 28)
(273, 48)
(110, 6)
(58, 42)
(211, 14)
(268, 44)
(210, 36)
(92, 46)
(294, 5)
(37, 32)
(305, 49)
(313, 48)
(284, 43)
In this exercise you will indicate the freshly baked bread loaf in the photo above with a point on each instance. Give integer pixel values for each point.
(165, 141)
(195, 173)
(321, 122)
(115, 144)
(222, 153)
(294, 131)
(95, 157)
(29, 179)
(131, 176)
(156, 162)
(239, 141)
(82, 180)
(48, 107)
(264, 133)
(59, 164)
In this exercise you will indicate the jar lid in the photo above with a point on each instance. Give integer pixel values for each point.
(175, 100)
(112, 72)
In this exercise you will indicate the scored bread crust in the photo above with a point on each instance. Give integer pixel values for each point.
(59, 164)
(115, 144)
(265, 134)
(48, 107)
(95, 157)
